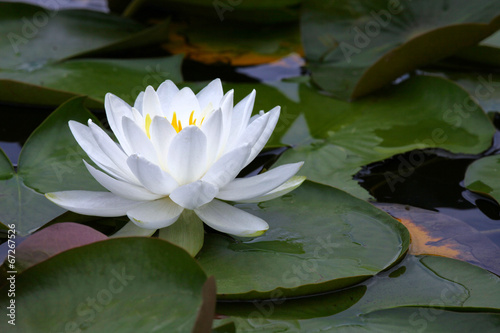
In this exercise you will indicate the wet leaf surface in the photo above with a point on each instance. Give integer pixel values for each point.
(357, 47)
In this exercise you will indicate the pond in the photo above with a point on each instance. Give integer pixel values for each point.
(391, 224)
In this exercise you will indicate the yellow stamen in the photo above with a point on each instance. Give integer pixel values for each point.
(174, 123)
(179, 127)
(191, 122)
(148, 125)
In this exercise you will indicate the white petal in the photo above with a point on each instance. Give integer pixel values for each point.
(226, 106)
(116, 109)
(194, 195)
(138, 119)
(227, 167)
(251, 133)
(183, 103)
(83, 135)
(266, 134)
(92, 203)
(187, 155)
(212, 93)
(138, 102)
(138, 141)
(212, 127)
(228, 219)
(285, 188)
(151, 176)
(121, 188)
(113, 151)
(162, 134)
(241, 115)
(130, 229)
(256, 186)
(151, 104)
(155, 214)
(166, 92)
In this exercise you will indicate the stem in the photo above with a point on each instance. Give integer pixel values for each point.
(187, 232)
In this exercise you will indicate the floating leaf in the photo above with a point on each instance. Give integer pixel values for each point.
(357, 47)
(35, 36)
(418, 293)
(55, 83)
(438, 234)
(118, 285)
(483, 176)
(320, 239)
(51, 160)
(51, 241)
(483, 86)
(39, 43)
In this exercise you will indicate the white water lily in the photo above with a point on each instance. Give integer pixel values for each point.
(179, 151)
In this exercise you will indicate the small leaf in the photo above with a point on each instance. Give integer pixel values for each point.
(51, 241)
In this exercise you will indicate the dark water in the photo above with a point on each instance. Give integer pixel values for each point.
(435, 184)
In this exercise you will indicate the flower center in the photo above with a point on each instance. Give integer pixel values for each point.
(176, 123)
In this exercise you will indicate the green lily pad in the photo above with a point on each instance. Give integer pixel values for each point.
(336, 138)
(424, 292)
(55, 83)
(117, 285)
(483, 176)
(320, 239)
(35, 69)
(483, 86)
(50, 160)
(35, 36)
(357, 47)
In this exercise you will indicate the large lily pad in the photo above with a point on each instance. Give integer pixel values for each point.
(117, 285)
(483, 176)
(34, 36)
(483, 86)
(55, 83)
(357, 47)
(418, 293)
(320, 239)
(51, 160)
(336, 138)
(34, 68)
